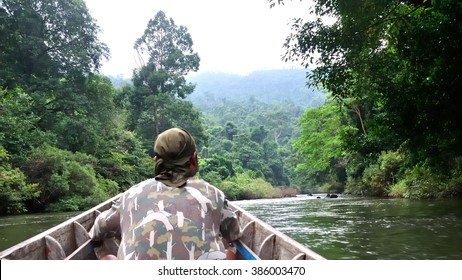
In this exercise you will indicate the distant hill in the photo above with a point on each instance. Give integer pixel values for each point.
(267, 86)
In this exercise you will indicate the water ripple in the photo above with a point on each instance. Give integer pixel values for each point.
(362, 228)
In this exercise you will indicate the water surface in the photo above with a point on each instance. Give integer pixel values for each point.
(15, 229)
(367, 228)
(336, 228)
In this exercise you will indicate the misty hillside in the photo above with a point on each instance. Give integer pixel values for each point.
(268, 86)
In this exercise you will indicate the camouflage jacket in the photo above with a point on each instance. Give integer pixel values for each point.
(160, 222)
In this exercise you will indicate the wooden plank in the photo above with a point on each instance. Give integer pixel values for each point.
(54, 249)
(248, 234)
(34, 248)
(300, 256)
(84, 252)
(71, 238)
(81, 234)
(267, 247)
(285, 248)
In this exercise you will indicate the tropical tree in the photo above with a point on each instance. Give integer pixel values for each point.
(399, 62)
(166, 56)
(84, 114)
(394, 66)
(14, 189)
(50, 50)
(18, 125)
(65, 181)
(43, 39)
(320, 146)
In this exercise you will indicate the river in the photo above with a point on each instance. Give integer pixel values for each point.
(366, 228)
(343, 228)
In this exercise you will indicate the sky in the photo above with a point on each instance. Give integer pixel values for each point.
(237, 37)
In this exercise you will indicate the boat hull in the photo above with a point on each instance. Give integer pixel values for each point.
(70, 241)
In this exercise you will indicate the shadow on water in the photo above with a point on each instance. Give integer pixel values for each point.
(367, 228)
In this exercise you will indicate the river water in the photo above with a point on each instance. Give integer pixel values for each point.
(367, 229)
(15, 229)
(337, 228)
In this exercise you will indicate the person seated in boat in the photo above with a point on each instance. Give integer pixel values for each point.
(173, 215)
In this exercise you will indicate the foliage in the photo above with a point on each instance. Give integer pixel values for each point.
(69, 139)
(63, 177)
(319, 148)
(247, 186)
(47, 39)
(320, 137)
(126, 162)
(249, 132)
(393, 68)
(85, 114)
(216, 168)
(377, 178)
(168, 50)
(424, 182)
(18, 116)
(398, 60)
(14, 189)
(234, 144)
(420, 182)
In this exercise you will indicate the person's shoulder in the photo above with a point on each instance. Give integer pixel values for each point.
(204, 186)
(145, 182)
(199, 182)
(141, 185)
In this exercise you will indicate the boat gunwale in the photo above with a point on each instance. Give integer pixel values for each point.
(49, 232)
(280, 243)
(280, 237)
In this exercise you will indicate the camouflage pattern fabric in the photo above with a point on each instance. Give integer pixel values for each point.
(167, 223)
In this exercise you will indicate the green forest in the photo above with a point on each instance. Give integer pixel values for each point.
(379, 115)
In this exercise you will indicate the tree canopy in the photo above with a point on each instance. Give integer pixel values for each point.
(394, 67)
(399, 60)
(390, 126)
(61, 141)
(47, 38)
(159, 81)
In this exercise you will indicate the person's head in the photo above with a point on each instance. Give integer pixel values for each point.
(175, 157)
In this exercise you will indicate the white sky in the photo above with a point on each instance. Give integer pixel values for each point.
(238, 36)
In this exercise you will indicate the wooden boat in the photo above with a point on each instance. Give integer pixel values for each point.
(70, 241)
